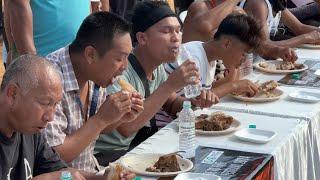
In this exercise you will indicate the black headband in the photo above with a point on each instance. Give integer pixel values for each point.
(151, 18)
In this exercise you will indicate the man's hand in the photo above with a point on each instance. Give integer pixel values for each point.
(115, 106)
(136, 108)
(206, 99)
(245, 87)
(186, 74)
(312, 37)
(287, 54)
(124, 175)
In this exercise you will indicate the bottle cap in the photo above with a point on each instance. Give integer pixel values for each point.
(186, 104)
(66, 175)
(295, 76)
(252, 126)
(137, 178)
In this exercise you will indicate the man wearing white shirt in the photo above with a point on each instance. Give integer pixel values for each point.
(235, 37)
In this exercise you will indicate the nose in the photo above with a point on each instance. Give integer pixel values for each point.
(49, 114)
(176, 36)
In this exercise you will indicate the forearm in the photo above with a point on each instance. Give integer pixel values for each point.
(292, 42)
(224, 89)
(151, 106)
(21, 24)
(212, 19)
(75, 143)
(105, 6)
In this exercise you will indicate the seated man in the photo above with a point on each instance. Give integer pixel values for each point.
(236, 36)
(158, 40)
(97, 55)
(264, 10)
(204, 17)
(30, 91)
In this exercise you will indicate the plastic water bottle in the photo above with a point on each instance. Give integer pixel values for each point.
(66, 175)
(246, 67)
(187, 142)
(190, 91)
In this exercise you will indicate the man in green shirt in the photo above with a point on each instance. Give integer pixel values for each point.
(158, 39)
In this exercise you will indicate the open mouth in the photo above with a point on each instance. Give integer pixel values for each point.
(175, 50)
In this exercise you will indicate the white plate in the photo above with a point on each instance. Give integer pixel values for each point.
(260, 98)
(255, 135)
(233, 127)
(197, 176)
(304, 96)
(138, 163)
(310, 46)
(256, 65)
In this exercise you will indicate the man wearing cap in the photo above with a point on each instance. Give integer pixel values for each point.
(156, 30)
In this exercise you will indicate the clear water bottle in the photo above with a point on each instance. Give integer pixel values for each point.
(246, 67)
(187, 142)
(190, 91)
(66, 175)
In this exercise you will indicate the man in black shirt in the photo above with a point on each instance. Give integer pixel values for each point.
(30, 89)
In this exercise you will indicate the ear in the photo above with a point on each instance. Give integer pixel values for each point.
(141, 38)
(90, 54)
(226, 43)
(12, 91)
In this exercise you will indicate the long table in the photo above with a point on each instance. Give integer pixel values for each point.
(296, 145)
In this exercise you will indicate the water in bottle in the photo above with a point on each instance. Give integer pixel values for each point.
(187, 143)
(190, 91)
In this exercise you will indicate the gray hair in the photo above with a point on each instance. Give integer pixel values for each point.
(27, 71)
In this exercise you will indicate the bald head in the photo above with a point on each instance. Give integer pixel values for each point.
(28, 71)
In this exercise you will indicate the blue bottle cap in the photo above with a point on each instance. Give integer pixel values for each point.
(252, 126)
(137, 178)
(295, 76)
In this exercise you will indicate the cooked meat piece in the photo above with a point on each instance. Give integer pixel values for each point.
(287, 66)
(166, 163)
(268, 86)
(218, 121)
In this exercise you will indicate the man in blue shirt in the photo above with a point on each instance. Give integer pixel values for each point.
(41, 27)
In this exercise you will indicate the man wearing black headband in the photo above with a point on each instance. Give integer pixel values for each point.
(264, 10)
(157, 32)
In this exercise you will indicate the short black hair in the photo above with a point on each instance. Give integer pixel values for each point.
(98, 30)
(242, 27)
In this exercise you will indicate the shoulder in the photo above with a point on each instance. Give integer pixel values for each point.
(257, 8)
(198, 7)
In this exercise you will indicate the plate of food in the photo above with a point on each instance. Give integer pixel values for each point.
(280, 67)
(159, 165)
(268, 92)
(218, 123)
(310, 46)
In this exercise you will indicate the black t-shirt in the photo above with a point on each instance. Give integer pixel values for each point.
(26, 156)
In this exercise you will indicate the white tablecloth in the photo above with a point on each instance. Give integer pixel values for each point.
(290, 147)
(296, 146)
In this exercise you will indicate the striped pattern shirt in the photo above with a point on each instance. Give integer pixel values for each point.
(69, 116)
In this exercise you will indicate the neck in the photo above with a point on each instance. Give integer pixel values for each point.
(148, 62)
(211, 49)
(77, 63)
(5, 127)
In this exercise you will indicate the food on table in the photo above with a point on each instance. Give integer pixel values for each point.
(115, 171)
(166, 163)
(267, 88)
(126, 86)
(282, 66)
(218, 121)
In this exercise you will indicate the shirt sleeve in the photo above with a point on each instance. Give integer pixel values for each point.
(47, 159)
(55, 131)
